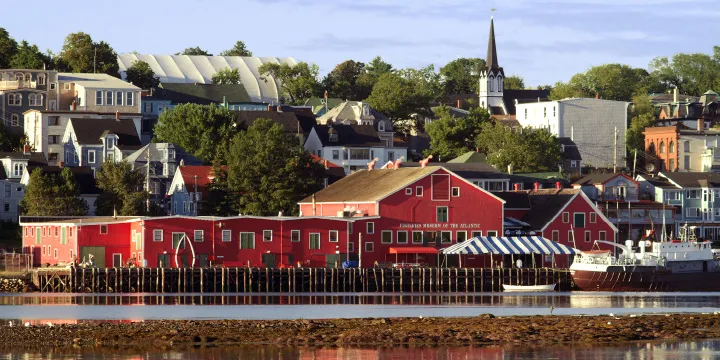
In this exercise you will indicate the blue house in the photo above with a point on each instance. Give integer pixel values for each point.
(89, 142)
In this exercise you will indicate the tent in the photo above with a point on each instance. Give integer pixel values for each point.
(515, 245)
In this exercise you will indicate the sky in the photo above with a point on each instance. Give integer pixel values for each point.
(544, 41)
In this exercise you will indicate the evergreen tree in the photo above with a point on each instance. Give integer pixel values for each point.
(141, 75)
(238, 50)
(226, 76)
(122, 190)
(219, 201)
(452, 136)
(53, 195)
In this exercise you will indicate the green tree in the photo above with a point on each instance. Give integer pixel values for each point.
(562, 90)
(81, 55)
(398, 98)
(238, 50)
(377, 67)
(8, 48)
(270, 170)
(608, 81)
(642, 115)
(28, 57)
(226, 76)
(462, 76)
(344, 81)
(452, 136)
(514, 82)
(297, 82)
(122, 190)
(202, 130)
(532, 150)
(692, 74)
(194, 51)
(53, 195)
(141, 75)
(219, 201)
(10, 141)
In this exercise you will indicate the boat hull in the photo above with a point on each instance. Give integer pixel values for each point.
(645, 280)
(528, 288)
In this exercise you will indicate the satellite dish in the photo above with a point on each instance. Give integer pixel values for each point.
(650, 167)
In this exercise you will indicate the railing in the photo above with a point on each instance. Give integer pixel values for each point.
(15, 262)
(9, 85)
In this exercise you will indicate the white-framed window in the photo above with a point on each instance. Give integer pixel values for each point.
(386, 237)
(588, 236)
(446, 237)
(408, 191)
(118, 98)
(370, 228)
(455, 191)
(369, 247)
(441, 213)
(55, 253)
(199, 236)
(556, 236)
(402, 237)
(129, 98)
(177, 240)
(593, 218)
(157, 235)
(35, 100)
(227, 235)
(91, 156)
(18, 169)
(111, 157)
(565, 217)
(53, 86)
(247, 240)
(579, 220)
(314, 241)
(461, 236)
(14, 120)
(68, 86)
(41, 79)
(417, 237)
(267, 235)
(418, 191)
(103, 229)
(14, 99)
(333, 236)
(692, 212)
(295, 236)
(98, 97)
(492, 233)
(108, 98)
(602, 235)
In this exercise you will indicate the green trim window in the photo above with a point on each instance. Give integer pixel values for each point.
(314, 241)
(177, 238)
(247, 240)
(441, 213)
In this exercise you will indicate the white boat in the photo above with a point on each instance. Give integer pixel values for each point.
(527, 288)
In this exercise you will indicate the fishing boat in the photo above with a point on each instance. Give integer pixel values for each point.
(528, 288)
(685, 264)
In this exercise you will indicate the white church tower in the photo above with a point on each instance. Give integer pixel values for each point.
(492, 79)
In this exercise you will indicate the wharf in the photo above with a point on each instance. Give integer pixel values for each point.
(292, 280)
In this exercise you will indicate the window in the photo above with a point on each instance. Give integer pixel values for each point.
(157, 235)
(53, 120)
(111, 157)
(573, 163)
(417, 237)
(55, 253)
(108, 98)
(593, 218)
(7, 207)
(41, 79)
(15, 99)
(692, 212)
(351, 247)
(672, 165)
(554, 108)
(369, 247)
(556, 235)
(18, 169)
(91, 156)
(199, 236)
(52, 86)
(441, 214)
(359, 154)
(693, 194)
(333, 236)
(662, 147)
(110, 142)
(165, 169)
(103, 229)
(247, 240)
(686, 146)
(492, 233)
(566, 217)
(370, 228)
(295, 236)
(544, 112)
(57, 231)
(98, 95)
(601, 235)
(671, 148)
(267, 235)
(35, 99)
(476, 234)
(314, 241)
(455, 191)
(14, 120)
(446, 237)
(587, 236)
(53, 139)
(579, 220)
(418, 191)
(386, 237)
(571, 236)
(118, 98)
(402, 237)
(336, 154)
(461, 236)
(177, 240)
(686, 162)
(226, 235)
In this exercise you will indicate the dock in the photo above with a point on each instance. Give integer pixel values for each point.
(292, 280)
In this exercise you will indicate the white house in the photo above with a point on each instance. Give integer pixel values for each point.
(11, 190)
(596, 126)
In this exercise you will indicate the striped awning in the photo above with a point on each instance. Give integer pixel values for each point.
(516, 245)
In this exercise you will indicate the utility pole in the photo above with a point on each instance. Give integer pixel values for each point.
(615, 151)
(147, 179)
(95, 61)
(194, 199)
(634, 163)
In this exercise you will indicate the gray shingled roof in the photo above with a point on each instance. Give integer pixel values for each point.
(89, 131)
(358, 135)
(545, 204)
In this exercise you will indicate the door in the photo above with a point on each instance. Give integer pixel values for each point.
(332, 260)
(163, 260)
(268, 260)
(202, 260)
(97, 251)
(117, 260)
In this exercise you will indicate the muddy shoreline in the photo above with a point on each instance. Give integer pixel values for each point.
(480, 330)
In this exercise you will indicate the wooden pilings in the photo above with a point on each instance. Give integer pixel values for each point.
(293, 280)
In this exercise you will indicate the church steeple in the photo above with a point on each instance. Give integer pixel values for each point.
(492, 61)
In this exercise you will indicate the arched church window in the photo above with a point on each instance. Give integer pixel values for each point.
(500, 83)
(671, 148)
(491, 81)
(662, 147)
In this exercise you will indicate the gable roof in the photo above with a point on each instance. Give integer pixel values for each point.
(346, 111)
(571, 151)
(180, 153)
(91, 80)
(356, 135)
(89, 132)
(515, 199)
(597, 179)
(470, 157)
(292, 122)
(34, 159)
(204, 177)
(545, 204)
(693, 179)
(468, 170)
(510, 95)
(203, 94)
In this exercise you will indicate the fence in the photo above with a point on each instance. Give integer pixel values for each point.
(15, 262)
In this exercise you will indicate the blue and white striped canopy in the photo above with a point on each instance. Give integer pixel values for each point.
(515, 245)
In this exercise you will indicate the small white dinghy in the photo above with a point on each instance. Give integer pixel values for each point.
(528, 288)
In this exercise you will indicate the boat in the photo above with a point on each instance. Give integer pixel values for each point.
(676, 265)
(528, 288)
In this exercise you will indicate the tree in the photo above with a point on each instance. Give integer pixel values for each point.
(452, 136)
(462, 76)
(28, 57)
(692, 74)
(141, 75)
(8, 48)
(514, 82)
(122, 190)
(345, 81)
(53, 195)
(226, 76)
(532, 150)
(398, 98)
(238, 50)
(609, 81)
(9, 141)
(202, 130)
(81, 55)
(642, 116)
(219, 201)
(270, 171)
(194, 51)
(297, 82)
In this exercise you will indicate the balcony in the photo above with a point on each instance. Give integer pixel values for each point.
(6, 85)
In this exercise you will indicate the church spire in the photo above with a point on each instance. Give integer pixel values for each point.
(492, 61)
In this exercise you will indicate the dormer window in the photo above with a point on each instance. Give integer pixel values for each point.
(381, 126)
(333, 137)
(366, 110)
(110, 142)
(18, 169)
(171, 154)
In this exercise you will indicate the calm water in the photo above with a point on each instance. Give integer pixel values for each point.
(313, 306)
(709, 349)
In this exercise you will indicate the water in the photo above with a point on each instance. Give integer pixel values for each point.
(706, 349)
(73, 307)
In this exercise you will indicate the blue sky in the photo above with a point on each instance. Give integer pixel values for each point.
(542, 40)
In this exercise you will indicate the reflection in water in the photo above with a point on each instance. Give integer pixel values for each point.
(707, 349)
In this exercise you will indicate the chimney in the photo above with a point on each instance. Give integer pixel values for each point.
(117, 116)
(313, 205)
(459, 104)
(270, 107)
(701, 124)
(558, 185)
(536, 186)
(279, 108)
(26, 149)
(61, 164)
(516, 187)
(675, 94)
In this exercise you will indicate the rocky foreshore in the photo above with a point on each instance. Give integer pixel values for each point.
(480, 330)
(16, 286)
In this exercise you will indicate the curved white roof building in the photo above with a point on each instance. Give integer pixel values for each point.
(200, 69)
